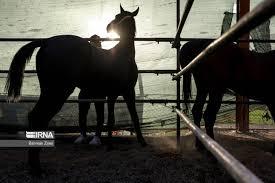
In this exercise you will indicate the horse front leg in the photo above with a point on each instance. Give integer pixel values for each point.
(130, 99)
(111, 120)
(83, 109)
(99, 107)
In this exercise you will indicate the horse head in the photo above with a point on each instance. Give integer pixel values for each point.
(124, 23)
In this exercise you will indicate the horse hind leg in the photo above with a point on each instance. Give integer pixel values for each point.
(211, 111)
(209, 117)
(111, 120)
(130, 101)
(197, 112)
(46, 107)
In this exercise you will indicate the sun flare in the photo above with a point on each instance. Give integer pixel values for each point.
(112, 35)
(98, 26)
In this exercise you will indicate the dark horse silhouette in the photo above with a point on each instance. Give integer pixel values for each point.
(247, 73)
(65, 62)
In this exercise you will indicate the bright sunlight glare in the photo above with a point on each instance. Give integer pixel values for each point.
(112, 35)
(98, 26)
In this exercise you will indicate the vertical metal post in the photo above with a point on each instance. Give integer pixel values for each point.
(178, 81)
(242, 110)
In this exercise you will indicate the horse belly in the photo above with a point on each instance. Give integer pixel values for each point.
(109, 83)
(213, 75)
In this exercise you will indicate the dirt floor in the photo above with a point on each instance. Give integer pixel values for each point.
(158, 162)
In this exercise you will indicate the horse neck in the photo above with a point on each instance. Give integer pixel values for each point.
(126, 45)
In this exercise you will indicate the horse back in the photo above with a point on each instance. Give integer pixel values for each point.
(214, 71)
(191, 49)
(62, 60)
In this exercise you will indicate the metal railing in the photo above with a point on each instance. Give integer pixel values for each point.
(238, 171)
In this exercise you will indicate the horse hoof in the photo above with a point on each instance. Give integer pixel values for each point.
(81, 140)
(95, 141)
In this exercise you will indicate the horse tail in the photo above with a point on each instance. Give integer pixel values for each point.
(187, 53)
(16, 71)
(185, 59)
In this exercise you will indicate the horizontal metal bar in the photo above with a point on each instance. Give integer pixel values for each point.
(26, 71)
(101, 39)
(60, 129)
(139, 71)
(75, 129)
(139, 39)
(26, 100)
(237, 170)
(252, 19)
(188, 6)
(151, 101)
(158, 71)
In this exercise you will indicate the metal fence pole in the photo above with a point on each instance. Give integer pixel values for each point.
(242, 110)
(178, 81)
(237, 170)
(188, 6)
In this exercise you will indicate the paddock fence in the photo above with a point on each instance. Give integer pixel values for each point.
(262, 12)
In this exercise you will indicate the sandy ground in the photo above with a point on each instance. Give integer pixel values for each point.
(128, 162)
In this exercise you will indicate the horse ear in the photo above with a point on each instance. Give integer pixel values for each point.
(135, 12)
(121, 9)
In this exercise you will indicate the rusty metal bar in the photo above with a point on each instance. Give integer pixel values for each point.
(257, 16)
(188, 6)
(237, 170)
(242, 110)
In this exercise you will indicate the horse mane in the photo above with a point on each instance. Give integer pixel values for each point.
(130, 23)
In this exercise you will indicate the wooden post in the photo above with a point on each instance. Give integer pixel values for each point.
(242, 110)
